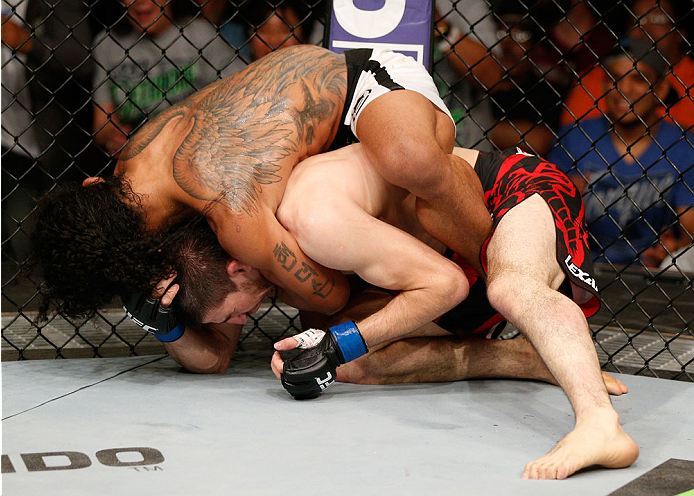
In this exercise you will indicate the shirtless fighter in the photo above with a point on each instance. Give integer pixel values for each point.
(535, 258)
(227, 152)
(538, 277)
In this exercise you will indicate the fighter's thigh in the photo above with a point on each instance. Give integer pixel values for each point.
(524, 243)
(407, 120)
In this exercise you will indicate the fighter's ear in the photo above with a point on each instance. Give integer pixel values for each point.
(235, 268)
(91, 181)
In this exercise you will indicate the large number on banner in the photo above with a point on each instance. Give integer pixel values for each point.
(400, 25)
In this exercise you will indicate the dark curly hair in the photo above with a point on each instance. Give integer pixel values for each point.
(90, 245)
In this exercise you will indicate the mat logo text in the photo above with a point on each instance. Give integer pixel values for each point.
(56, 460)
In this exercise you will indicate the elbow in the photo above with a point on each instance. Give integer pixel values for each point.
(205, 363)
(339, 296)
(338, 301)
(218, 366)
(217, 363)
(453, 286)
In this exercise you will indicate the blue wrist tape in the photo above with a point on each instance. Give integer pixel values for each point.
(173, 334)
(350, 340)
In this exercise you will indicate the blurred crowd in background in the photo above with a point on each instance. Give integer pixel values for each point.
(602, 89)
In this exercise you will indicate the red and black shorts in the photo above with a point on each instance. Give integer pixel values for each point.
(507, 179)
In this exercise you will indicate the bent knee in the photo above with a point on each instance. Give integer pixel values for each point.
(516, 296)
(413, 163)
(506, 293)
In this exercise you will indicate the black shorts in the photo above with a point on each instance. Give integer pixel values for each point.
(474, 315)
(507, 179)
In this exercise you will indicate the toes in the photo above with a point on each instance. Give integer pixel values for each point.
(547, 469)
(548, 472)
(562, 473)
(532, 471)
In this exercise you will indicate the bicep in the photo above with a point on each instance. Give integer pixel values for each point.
(378, 252)
(270, 248)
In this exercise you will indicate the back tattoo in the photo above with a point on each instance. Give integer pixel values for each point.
(242, 127)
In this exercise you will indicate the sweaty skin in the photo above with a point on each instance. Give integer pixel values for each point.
(227, 151)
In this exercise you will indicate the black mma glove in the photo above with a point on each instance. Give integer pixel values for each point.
(314, 369)
(147, 312)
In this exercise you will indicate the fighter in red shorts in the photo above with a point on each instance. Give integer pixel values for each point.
(508, 179)
(538, 243)
(346, 216)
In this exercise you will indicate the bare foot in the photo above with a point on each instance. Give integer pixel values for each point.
(597, 441)
(614, 386)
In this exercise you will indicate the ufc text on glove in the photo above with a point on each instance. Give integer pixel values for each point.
(314, 369)
(147, 312)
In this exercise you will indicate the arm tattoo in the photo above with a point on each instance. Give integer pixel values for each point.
(302, 272)
(243, 127)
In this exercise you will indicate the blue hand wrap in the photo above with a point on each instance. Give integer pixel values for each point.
(173, 334)
(350, 340)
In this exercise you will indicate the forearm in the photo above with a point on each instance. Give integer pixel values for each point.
(316, 368)
(410, 310)
(205, 351)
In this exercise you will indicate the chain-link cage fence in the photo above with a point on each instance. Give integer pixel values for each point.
(602, 89)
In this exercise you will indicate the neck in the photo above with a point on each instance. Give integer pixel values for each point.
(632, 132)
(157, 204)
(632, 140)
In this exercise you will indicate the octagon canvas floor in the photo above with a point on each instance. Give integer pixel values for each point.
(141, 425)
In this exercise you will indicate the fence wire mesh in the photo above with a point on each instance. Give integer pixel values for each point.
(81, 76)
